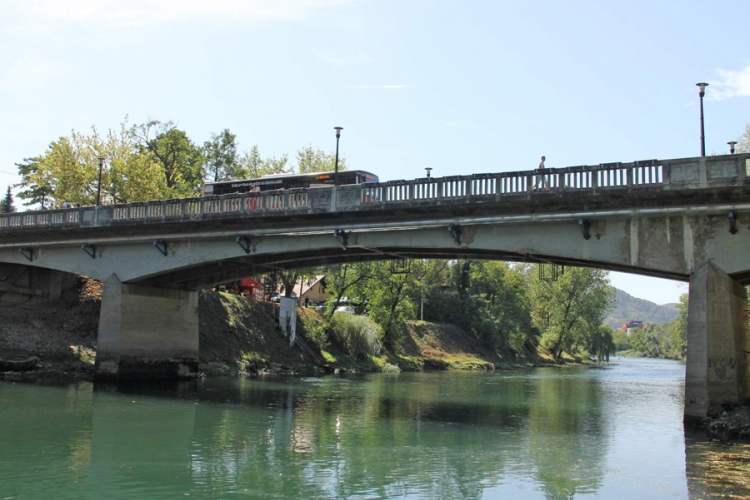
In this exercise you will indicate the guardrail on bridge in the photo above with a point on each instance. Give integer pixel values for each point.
(685, 173)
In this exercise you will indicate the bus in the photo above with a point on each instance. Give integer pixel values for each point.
(287, 181)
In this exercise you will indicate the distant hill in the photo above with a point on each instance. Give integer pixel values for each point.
(629, 308)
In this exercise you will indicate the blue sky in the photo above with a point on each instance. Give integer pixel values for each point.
(462, 87)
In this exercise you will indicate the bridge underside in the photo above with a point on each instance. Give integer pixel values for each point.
(209, 274)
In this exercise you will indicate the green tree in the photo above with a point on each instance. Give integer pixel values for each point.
(220, 157)
(36, 183)
(677, 328)
(650, 341)
(346, 279)
(621, 340)
(6, 205)
(569, 310)
(252, 166)
(507, 304)
(179, 159)
(388, 300)
(601, 343)
(314, 160)
(69, 170)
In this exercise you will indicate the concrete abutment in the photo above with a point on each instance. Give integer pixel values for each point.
(147, 332)
(717, 343)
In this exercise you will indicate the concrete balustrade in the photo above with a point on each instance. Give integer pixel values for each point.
(666, 175)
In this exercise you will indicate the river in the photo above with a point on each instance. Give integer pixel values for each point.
(574, 432)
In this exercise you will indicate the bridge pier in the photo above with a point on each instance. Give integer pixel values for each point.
(718, 343)
(147, 332)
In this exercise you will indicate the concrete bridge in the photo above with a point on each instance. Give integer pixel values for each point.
(685, 219)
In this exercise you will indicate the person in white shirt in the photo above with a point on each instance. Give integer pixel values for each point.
(541, 180)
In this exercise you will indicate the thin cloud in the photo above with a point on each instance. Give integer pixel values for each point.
(732, 84)
(380, 87)
(39, 14)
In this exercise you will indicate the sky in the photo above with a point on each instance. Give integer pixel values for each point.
(458, 86)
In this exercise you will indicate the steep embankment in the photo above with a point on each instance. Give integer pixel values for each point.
(238, 335)
(61, 334)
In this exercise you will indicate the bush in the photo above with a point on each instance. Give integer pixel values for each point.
(315, 331)
(357, 335)
(389, 368)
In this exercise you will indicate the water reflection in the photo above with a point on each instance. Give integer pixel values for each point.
(435, 434)
(541, 434)
(717, 470)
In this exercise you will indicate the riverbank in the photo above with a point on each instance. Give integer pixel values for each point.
(238, 336)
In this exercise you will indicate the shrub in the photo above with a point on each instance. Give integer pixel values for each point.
(389, 368)
(315, 331)
(357, 335)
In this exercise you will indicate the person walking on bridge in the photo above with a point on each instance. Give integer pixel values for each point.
(541, 180)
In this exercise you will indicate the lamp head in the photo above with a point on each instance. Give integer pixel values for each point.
(702, 87)
(338, 131)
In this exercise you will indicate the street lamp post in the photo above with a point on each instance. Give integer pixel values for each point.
(732, 144)
(336, 166)
(701, 93)
(99, 186)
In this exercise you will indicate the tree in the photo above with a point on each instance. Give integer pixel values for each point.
(6, 206)
(344, 279)
(69, 170)
(743, 141)
(507, 304)
(602, 343)
(252, 166)
(388, 300)
(314, 160)
(570, 310)
(180, 160)
(677, 328)
(220, 157)
(36, 183)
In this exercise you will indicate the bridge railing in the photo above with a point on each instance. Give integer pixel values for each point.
(685, 173)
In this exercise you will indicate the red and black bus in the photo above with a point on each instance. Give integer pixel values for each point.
(287, 181)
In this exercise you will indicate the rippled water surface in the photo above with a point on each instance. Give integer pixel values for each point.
(611, 432)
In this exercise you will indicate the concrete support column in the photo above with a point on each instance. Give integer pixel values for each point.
(147, 332)
(288, 318)
(717, 343)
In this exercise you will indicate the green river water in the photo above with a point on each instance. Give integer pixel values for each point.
(576, 432)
